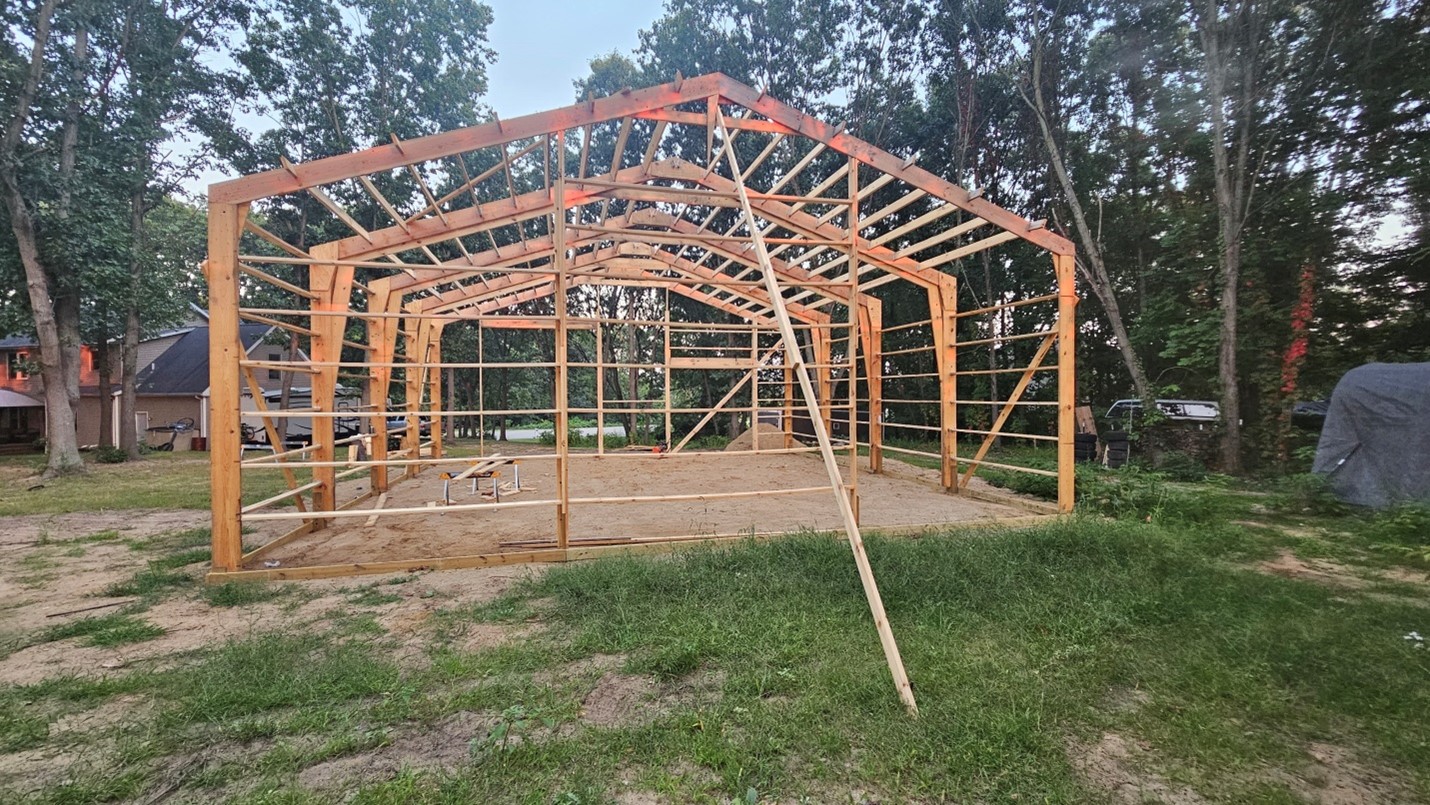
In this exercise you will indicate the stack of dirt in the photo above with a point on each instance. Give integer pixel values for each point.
(771, 436)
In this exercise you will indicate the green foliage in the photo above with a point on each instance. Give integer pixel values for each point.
(106, 630)
(241, 593)
(1305, 493)
(110, 455)
(1403, 532)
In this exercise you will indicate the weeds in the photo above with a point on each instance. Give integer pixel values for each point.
(106, 630)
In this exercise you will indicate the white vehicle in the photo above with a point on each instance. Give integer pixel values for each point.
(1199, 411)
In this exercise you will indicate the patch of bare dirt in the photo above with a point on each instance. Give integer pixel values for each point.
(444, 747)
(1319, 571)
(1123, 701)
(25, 530)
(1116, 768)
(1333, 776)
(620, 700)
(623, 700)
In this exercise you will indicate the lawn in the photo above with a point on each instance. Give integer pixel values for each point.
(1209, 642)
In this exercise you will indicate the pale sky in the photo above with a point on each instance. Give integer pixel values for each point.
(542, 46)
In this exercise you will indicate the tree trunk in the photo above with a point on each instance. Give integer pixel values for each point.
(1093, 266)
(129, 369)
(60, 442)
(1231, 190)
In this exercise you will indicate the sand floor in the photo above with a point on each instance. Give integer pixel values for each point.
(904, 496)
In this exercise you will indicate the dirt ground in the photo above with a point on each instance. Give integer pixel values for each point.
(902, 496)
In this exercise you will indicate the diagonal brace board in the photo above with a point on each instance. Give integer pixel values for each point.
(826, 450)
(1008, 407)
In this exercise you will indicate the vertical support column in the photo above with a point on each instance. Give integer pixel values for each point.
(558, 239)
(481, 392)
(851, 336)
(333, 285)
(948, 380)
(822, 365)
(871, 332)
(418, 331)
(1067, 378)
(225, 351)
(600, 385)
(669, 381)
(383, 339)
(434, 396)
(788, 360)
(755, 383)
(937, 326)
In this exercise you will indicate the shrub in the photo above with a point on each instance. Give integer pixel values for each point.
(1305, 493)
(1178, 465)
(109, 454)
(1403, 531)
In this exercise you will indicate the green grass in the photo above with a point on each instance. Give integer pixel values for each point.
(160, 481)
(115, 629)
(1017, 643)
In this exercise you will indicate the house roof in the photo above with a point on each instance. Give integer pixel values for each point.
(14, 399)
(184, 367)
(16, 342)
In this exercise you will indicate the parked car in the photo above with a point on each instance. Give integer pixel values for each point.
(1201, 412)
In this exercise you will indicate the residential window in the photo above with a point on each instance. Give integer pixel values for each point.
(18, 365)
(274, 374)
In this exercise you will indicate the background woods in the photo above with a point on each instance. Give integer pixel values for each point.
(1246, 181)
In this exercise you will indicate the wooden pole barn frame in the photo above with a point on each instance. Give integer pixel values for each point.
(622, 191)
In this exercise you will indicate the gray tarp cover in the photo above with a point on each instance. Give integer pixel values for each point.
(1375, 446)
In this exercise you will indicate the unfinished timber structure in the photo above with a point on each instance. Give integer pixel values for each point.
(704, 188)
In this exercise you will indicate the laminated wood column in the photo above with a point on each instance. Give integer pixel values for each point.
(434, 394)
(825, 382)
(561, 373)
(419, 333)
(871, 334)
(1067, 379)
(851, 337)
(333, 286)
(225, 351)
(789, 399)
(943, 304)
(382, 336)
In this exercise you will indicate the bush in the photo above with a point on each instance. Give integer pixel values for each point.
(1305, 493)
(1178, 465)
(110, 455)
(1403, 531)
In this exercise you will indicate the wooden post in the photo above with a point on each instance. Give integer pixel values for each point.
(821, 435)
(1067, 379)
(755, 384)
(788, 360)
(600, 389)
(822, 353)
(434, 397)
(667, 378)
(871, 332)
(225, 351)
(851, 340)
(558, 235)
(481, 393)
(419, 333)
(383, 338)
(333, 285)
(943, 301)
